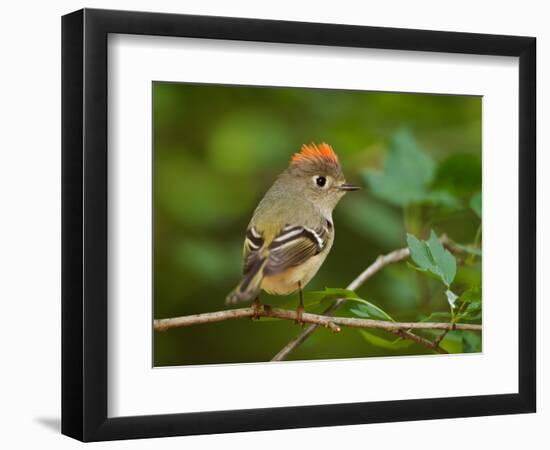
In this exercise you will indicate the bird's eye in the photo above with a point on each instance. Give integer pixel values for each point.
(321, 181)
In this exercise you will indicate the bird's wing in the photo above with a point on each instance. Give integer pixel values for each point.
(294, 245)
(253, 243)
(254, 262)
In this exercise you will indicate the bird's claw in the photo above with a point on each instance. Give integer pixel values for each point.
(299, 315)
(257, 309)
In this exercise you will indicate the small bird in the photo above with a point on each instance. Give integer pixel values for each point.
(291, 231)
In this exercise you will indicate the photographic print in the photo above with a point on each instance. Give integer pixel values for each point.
(306, 224)
(306, 210)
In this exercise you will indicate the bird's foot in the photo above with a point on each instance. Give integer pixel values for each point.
(258, 308)
(299, 315)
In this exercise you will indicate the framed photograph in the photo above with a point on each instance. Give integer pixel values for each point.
(273, 224)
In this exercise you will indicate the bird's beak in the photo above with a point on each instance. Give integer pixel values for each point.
(348, 187)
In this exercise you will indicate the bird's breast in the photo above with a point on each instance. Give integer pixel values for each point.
(286, 282)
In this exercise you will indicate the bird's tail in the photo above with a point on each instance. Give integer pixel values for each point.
(249, 287)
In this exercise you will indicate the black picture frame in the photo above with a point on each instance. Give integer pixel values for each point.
(84, 224)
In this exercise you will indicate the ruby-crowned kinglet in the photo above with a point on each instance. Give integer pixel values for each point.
(291, 231)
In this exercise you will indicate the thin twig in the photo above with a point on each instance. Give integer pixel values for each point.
(382, 261)
(376, 266)
(422, 341)
(333, 323)
(401, 329)
(439, 338)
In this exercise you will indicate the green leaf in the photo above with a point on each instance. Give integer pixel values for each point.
(472, 294)
(328, 294)
(438, 317)
(453, 342)
(364, 308)
(475, 203)
(420, 252)
(443, 259)
(313, 298)
(432, 256)
(413, 267)
(369, 310)
(386, 344)
(473, 311)
(407, 172)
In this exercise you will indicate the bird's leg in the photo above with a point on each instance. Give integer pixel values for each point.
(257, 308)
(300, 308)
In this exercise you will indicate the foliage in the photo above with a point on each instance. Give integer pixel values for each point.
(218, 148)
(407, 173)
(431, 256)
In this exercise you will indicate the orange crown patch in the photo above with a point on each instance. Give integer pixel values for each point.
(315, 153)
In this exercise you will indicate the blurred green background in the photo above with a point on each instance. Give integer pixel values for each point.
(217, 149)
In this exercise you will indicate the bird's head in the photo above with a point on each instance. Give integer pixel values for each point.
(317, 174)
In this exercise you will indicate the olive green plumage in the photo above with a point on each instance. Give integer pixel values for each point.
(291, 231)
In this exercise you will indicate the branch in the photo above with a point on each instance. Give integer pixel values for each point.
(381, 262)
(422, 341)
(376, 266)
(334, 323)
(401, 329)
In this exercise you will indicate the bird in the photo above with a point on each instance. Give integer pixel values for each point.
(292, 231)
